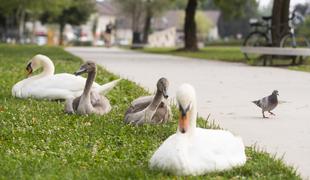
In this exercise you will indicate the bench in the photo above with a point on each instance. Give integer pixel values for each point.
(279, 51)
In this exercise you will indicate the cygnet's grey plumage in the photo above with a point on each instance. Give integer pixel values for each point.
(268, 103)
(150, 109)
(90, 102)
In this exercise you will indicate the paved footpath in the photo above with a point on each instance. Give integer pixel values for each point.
(225, 90)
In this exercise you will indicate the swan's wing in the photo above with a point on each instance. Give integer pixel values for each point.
(61, 81)
(139, 104)
(105, 88)
(162, 114)
(100, 103)
(142, 100)
(47, 93)
(220, 147)
(137, 107)
(135, 118)
(172, 156)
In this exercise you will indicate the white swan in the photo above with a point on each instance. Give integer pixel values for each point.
(48, 85)
(196, 151)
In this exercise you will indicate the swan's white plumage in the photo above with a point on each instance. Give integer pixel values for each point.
(48, 85)
(202, 152)
(197, 151)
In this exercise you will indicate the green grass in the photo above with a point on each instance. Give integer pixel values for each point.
(223, 53)
(38, 141)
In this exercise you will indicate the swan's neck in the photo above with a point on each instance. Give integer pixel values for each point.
(192, 119)
(156, 101)
(48, 67)
(89, 82)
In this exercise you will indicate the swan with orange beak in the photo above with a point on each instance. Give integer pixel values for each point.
(48, 85)
(196, 151)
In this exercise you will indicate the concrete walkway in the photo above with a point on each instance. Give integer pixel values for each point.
(225, 90)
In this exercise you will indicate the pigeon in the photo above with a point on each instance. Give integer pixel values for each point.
(268, 103)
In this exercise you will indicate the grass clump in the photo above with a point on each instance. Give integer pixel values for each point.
(39, 141)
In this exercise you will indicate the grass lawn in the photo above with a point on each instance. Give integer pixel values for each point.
(38, 141)
(222, 53)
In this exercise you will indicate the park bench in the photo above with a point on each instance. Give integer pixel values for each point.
(277, 51)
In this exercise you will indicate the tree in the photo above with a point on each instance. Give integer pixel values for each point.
(204, 24)
(229, 8)
(76, 13)
(141, 13)
(18, 10)
(152, 8)
(133, 9)
(305, 28)
(232, 23)
(190, 26)
(280, 16)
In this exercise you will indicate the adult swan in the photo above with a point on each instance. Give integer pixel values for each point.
(196, 151)
(48, 85)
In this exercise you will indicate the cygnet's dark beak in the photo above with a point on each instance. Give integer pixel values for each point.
(165, 94)
(80, 71)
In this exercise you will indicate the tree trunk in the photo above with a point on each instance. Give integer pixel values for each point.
(21, 24)
(136, 32)
(61, 32)
(147, 27)
(136, 40)
(280, 16)
(190, 26)
(33, 33)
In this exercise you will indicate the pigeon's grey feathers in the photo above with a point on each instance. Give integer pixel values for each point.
(268, 103)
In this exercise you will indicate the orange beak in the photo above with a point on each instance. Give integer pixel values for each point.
(183, 122)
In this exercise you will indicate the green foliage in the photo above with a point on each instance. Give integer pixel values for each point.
(236, 8)
(32, 7)
(76, 13)
(204, 24)
(38, 141)
(224, 53)
(305, 28)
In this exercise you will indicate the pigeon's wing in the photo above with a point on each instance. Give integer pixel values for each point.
(264, 103)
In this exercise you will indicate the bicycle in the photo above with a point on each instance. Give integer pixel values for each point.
(261, 36)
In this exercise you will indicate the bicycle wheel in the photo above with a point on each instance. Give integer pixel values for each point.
(301, 42)
(255, 39)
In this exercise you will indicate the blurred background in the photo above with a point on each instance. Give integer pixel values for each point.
(151, 23)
